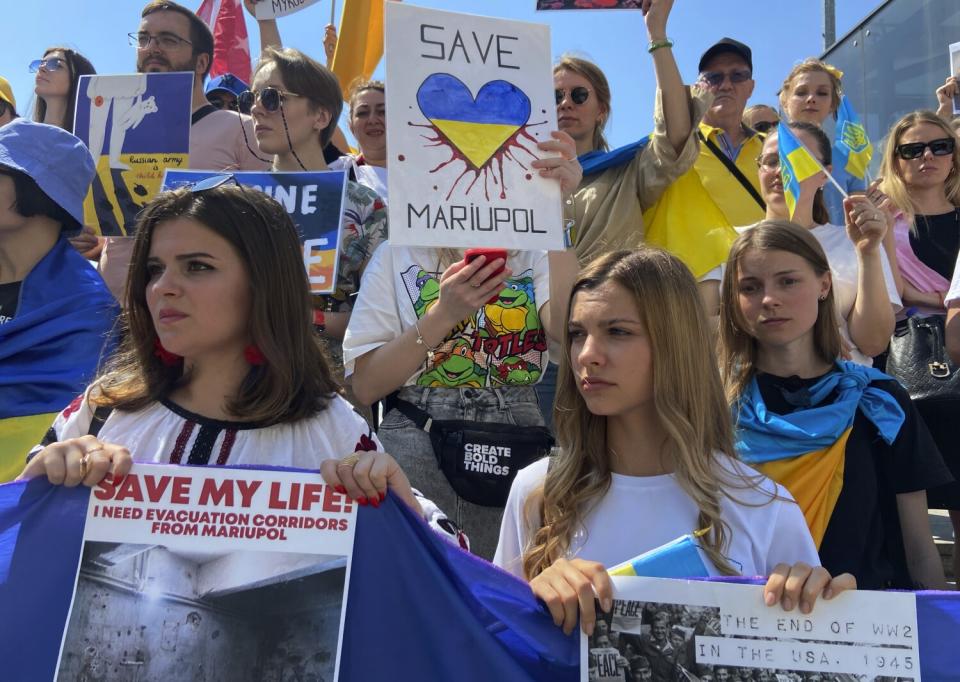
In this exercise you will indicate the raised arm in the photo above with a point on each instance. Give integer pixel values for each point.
(872, 320)
(676, 102)
(269, 33)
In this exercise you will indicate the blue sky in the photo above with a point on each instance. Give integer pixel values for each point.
(780, 33)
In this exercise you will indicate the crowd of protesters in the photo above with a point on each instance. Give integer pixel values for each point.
(711, 358)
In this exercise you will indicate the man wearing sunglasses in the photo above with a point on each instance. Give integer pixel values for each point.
(698, 212)
(173, 38)
(8, 105)
(223, 91)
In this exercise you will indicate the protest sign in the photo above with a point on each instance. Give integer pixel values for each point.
(314, 201)
(271, 9)
(136, 126)
(469, 99)
(588, 4)
(232, 572)
(955, 71)
(688, 629)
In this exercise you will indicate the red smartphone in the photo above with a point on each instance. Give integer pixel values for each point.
(492, 255)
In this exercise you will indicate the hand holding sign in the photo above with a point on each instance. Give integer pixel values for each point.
(366, 476)
(801, 585)
(79, 460)
(571, 586)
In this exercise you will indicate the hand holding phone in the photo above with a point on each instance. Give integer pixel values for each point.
(491, 255)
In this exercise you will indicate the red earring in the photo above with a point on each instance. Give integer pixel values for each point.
(254, 355)
(166, 357)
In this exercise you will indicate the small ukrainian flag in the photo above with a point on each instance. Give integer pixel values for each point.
(796, 165)
(852, 149)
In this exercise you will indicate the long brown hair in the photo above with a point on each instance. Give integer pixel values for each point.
(295, 382)
(893, 185)
(687, 396)
(738, 348)
(77, 65)
(308, 78)
(601, 89)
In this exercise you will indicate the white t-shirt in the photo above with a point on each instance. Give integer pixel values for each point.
(954, 292)
(503, 344)
(845, 269)
(374, 177)
(641, 513)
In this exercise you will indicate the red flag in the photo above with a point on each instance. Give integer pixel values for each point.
(231, 49)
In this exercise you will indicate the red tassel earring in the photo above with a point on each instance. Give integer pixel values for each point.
(166, 357)
(254, 355)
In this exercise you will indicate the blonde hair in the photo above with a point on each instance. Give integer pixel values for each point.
(687, 396)
(893, 185)
(812, 65)
(738, 348)
(601, 89)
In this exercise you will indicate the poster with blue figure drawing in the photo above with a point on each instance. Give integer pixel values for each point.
(470, 99)
(314, 201)
(136, 126)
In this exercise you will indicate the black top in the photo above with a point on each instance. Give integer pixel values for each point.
(863, 536)
(936, 241)
(9, 301)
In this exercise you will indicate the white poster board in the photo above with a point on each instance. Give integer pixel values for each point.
(271, 9)
(955, 71)
(691, 629)
(189, 569)
(469, 99)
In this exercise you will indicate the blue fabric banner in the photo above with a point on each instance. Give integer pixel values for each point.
(428, 610)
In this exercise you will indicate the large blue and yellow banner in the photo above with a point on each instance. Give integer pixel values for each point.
(419, 608)
(314, 200)
(136, 126)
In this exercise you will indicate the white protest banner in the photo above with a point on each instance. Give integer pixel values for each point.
(695, 628)
(210, 571)
(543, 5)
(955, 71)
(469, 99)
(271, 9)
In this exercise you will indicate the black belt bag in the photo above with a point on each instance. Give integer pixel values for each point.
(480, 460)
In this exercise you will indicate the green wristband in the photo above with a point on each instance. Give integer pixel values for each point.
(657, 44)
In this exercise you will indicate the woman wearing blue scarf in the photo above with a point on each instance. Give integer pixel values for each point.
(843, 438)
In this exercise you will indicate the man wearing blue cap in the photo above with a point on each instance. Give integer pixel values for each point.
(222, 91)
(56, 313)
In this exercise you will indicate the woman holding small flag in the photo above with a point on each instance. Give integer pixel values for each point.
(646, 464)
(793, 169)
(844, 439)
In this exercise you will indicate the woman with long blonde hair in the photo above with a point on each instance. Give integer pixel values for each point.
(645, 452)
(844, 439)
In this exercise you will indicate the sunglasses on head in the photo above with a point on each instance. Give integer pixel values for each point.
(765, 127)
(270, 99)
(914, 150)
(578, 95)
(50, 64)
(716, 78)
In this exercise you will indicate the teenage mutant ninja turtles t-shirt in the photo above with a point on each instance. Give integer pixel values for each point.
(502, 344)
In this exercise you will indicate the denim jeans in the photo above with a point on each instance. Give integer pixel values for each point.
(413, 450)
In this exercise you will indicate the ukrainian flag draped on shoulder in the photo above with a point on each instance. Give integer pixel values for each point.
(852, 149)
(796, 165)
(804, 450)
(50, 349)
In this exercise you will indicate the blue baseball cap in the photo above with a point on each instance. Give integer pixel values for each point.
(227, 82)
(57, 161)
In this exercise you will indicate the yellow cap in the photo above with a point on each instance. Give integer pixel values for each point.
(6, 93)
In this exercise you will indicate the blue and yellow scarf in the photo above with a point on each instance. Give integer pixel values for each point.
(804, 450)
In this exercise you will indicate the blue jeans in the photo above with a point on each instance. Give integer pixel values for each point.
(413, 450)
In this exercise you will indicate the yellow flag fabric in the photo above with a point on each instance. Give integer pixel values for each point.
(359, 42)
(695, 216)
(815, 481)
(17, 436)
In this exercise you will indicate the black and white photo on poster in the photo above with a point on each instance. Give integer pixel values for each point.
(691, 631)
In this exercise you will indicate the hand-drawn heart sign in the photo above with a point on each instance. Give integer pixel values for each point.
(479, 127)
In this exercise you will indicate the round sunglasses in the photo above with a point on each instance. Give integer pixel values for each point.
(49, 64)
(269, 97)
(914, 150)
(578, 95)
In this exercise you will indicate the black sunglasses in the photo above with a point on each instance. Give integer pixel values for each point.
(221, 103)
(271, 98)
(765, 127)
(914, 150)
(578, 95)
(716, 78)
